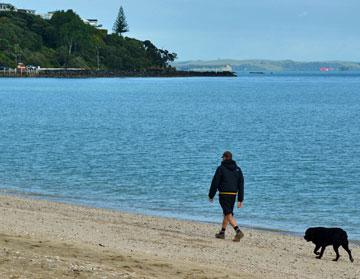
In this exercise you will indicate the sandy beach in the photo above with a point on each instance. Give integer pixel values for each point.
(41, 239)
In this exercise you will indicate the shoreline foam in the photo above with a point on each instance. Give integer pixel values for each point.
(60, 199)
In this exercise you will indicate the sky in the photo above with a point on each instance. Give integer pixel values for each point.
(302, 30)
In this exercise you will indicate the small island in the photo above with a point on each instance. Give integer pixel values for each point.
(62, 44)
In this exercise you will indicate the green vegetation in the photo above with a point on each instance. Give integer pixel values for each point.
(66, 41)
(120, 25)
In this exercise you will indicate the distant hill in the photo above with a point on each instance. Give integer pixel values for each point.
(66, 41)
(265, 65)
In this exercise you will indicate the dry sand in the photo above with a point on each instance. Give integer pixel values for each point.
(41, 239)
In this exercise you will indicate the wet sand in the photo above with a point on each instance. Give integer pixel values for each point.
(41, 239)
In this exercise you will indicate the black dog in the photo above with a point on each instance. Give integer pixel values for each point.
(323, 237)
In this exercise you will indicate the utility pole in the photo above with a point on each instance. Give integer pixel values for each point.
(17, 58)
(98, 58)
(17, 54)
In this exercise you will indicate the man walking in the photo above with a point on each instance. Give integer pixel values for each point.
(229, 181)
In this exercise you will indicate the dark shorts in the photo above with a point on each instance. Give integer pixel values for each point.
(227, 203)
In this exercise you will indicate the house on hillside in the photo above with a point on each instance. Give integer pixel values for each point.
(4, 7)
(48, 15)
(27, 11)
(92, 22)
(95, 23)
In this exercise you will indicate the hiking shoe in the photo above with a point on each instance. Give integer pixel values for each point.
(220, 235)
(239, 235)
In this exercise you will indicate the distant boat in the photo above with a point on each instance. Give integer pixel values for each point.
(257, 73)
(326, 69)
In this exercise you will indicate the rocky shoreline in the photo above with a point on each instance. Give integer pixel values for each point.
(113, 74)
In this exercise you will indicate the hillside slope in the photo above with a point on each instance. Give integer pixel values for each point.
(66, 41)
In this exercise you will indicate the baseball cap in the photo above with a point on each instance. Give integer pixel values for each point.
(227, 154)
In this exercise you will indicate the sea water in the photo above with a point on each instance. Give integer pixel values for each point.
(152, 145)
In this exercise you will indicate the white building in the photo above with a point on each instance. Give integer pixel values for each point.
(4, 7)
(27, 11)
(48, 15)
(92, 22)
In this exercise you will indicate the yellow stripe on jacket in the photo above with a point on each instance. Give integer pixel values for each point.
(228, 193)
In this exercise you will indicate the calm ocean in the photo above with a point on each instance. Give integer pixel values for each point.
(152, 145)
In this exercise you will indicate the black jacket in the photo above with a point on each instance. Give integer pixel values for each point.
(228, 178)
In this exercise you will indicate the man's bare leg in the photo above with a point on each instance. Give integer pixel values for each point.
(225, 223)
(239, 234)
(230, 218)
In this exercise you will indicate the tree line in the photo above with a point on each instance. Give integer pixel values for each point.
(66, 41)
